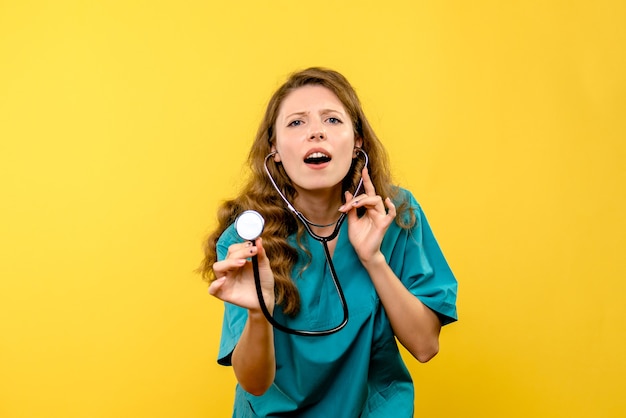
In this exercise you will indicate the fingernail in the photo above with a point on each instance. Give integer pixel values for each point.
(341, 208)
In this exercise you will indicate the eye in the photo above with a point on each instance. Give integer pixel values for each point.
(334, 121)
(296, 122)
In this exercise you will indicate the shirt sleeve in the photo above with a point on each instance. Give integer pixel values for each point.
(235, 317)
(418, 261)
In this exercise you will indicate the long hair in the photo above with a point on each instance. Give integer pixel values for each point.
(259, 194)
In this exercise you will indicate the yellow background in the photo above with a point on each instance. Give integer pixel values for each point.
(124, 124)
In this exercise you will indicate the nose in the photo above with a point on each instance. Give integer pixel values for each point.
(317, 133)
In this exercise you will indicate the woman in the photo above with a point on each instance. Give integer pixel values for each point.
(314, 139)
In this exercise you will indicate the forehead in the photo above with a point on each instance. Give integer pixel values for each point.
(310, 98)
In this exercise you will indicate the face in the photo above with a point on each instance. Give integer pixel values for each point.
(314, 139)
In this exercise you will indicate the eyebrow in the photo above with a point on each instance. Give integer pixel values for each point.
(322, 111)
(295, 114)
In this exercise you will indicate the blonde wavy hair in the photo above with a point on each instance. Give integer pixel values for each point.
(259, 194)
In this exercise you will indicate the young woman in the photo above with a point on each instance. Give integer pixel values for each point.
(314, 146)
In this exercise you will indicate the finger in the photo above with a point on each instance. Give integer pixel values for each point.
(367, 182)
(220, 268)
(391, 208)
(244, 251)
(358, 201)
(258, 243)
(348, 199)
(234, 248)
(260, 251)
(216, 286)
(350, 208)
(369, 202)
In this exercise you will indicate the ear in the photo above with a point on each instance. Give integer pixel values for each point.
(358, 143)
(276, 155)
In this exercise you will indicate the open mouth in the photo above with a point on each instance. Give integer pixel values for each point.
(316, 158)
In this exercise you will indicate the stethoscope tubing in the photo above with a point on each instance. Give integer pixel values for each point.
(303, 333)
(307, 224)
(329, 262)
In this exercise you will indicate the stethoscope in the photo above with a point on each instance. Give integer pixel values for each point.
(249, 226)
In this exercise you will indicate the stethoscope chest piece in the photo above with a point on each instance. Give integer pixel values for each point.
(249, 225)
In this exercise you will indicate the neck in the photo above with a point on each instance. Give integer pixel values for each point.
(320, 208)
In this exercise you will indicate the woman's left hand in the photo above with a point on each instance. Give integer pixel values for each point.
(366, 232)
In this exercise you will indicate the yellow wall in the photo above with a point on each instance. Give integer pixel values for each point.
(123, 125)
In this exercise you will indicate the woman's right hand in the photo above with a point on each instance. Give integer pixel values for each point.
(235, 278)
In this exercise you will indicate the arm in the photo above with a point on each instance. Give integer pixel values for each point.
(253, 358)
(415, 325)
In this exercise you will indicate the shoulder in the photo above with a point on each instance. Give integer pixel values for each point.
(403, 195)
(228, 238)
(409, 211)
